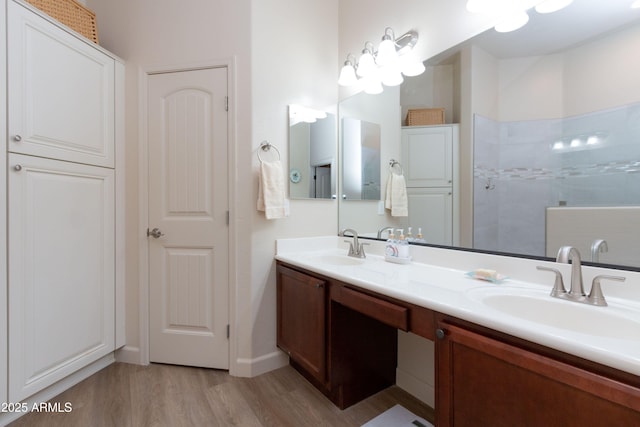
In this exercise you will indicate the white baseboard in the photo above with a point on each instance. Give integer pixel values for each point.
(57, 388)
(129, 354)
(419, 389)
(260, 365)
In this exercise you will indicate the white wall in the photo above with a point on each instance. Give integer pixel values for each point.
(283, 52)
(594, 76)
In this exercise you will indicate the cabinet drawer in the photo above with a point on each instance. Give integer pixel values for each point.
(386, 312)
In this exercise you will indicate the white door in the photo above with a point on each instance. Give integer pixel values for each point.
(188, 204)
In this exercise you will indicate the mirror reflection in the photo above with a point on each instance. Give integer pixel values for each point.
(361, 154)
(312, 153)
(549, 152)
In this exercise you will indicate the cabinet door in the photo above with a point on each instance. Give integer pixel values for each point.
(60, 90)
(61, 270)
(301, 320)
(432, 210)
(482, 381)
(427, 154)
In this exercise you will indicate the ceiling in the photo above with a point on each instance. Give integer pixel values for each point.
(545, 34)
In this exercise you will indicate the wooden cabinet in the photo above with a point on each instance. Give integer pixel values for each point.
(494, 380)
(346, 354)
(301, 309)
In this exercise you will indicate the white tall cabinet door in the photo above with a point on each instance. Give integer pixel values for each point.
(60, 90)
(61, 270)
(432, 210)
(427, 154)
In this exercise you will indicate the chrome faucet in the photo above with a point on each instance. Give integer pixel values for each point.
(576, 291)
(356, 249)
(598, 246)
(382, 230)
(566, 254)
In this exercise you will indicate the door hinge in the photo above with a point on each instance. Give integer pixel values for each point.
(228, 331)
(227, 218)
(226, 103)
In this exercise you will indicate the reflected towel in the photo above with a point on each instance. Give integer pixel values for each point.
(271, 190)
(396, 195)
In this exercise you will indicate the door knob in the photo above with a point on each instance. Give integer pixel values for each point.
(156, 233)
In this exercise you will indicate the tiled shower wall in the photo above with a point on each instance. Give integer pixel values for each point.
(520, 168)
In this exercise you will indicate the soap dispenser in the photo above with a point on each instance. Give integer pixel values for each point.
(391, 249)
(403, 245)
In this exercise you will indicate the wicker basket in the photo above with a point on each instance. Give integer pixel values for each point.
(425, 116)
(72, 14)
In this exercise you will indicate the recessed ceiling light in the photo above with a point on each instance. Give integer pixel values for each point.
(635, 4)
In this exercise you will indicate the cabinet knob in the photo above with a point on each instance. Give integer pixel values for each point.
(319, 285)
(18, 168)
(440, 333)
(17, 138)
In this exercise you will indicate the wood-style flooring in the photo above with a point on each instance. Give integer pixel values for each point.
(125, 395)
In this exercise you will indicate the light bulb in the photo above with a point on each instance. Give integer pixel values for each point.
(410, 65)
(386, 51)
(390, 75)
(366, 64)
(347, 75)
(372, 85)
(512, 22)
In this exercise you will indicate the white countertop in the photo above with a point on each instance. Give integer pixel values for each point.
(449, 291)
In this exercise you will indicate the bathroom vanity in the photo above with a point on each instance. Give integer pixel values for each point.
(338, 316)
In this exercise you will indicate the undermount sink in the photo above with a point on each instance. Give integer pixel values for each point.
(340, 260)
(537, 306)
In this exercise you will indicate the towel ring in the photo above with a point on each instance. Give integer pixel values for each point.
(266, 146)
(393, 163)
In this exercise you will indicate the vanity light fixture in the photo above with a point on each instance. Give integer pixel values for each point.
(348, 73)
(298, 113)
(512, 14)
(393, 59)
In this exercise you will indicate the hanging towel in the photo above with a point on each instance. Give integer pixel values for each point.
(396, 195)
(271, 190)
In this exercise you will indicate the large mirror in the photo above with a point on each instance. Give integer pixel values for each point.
(549, 127)
(361, 151)
(312, 153)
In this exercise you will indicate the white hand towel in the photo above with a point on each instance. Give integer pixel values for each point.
(396, 197)
(271, 190)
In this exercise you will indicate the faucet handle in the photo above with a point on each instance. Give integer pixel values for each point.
(596, 296)
(361, 253)
(558, 286)
(352, 250)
